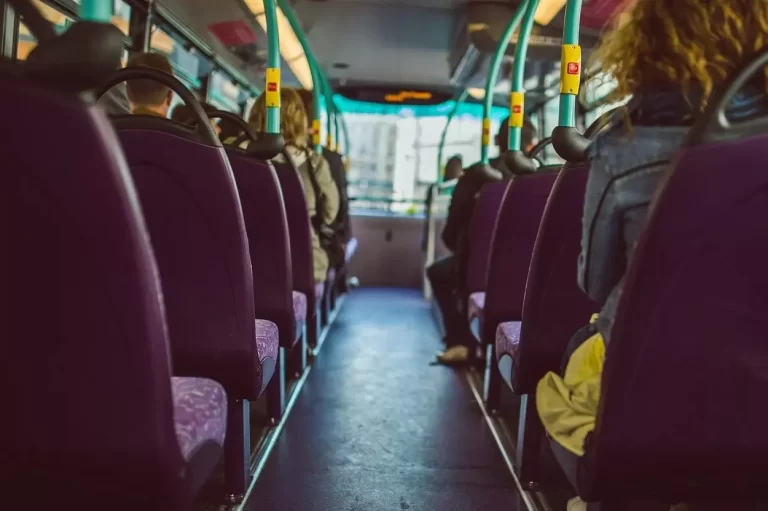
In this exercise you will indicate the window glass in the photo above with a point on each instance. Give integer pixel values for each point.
(121, 16)
(593, 97)
(223, 94)
(394, 151)
(26, 41)
(185, 62)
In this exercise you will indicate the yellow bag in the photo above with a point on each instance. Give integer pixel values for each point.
(568, 406)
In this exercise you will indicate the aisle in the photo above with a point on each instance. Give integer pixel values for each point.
(376, 429)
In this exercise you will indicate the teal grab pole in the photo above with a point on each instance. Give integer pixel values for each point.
(518, 75)
(493, 76)
(96, 10)
(444, 134)
(570, 38)
(316, 80)
(273, 68)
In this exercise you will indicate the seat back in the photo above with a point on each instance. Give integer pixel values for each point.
(85, 364)
(191, 205)
(267, 227)
(688, 351)
(481, 233)
(299, 232)
(512, 248)
(553, 307)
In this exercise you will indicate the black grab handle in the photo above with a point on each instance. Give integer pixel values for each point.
(713, 125)
(263, 146)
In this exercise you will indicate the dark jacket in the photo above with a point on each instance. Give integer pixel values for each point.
(342, 223)
(625, 170)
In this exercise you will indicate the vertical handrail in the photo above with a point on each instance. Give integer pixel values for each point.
(493, 75)
(569, 144)
(272, 85)
(515, 160)
(444, 134)
(314, 71)
(570, 64)
(517, 93)
(96, 10)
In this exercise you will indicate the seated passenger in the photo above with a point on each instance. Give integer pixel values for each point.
(528, 140)
(453, 168)
(320, 191)
(183, 114)
(445, 275)
(664, 57)
(342, 223)
(149, 97)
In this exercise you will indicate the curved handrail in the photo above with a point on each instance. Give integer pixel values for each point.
(263, 146)
(202, 128)
(569, 144)
(712, 125)
(493, 76)
(515, 159)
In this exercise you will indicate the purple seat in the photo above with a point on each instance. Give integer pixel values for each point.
(481, 234)
(300, 308)
(514, 236)
(86, 368)
(553, 309)
(508, 337)
(267, 227)
(192, 208)
(682, 409)
(299, 231)
(200, 413)
(476, 304)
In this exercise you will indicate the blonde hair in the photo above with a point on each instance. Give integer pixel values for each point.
(293, 117)
(680, 43)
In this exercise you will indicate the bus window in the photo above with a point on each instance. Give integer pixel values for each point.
(595, 93)
(26, 41)
(185, 62)
(223, 94)
(121, 16)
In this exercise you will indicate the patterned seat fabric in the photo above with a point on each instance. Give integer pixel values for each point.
(267, 340)
(507, 339)
(476, 306)
(299, 311)
(199, 413)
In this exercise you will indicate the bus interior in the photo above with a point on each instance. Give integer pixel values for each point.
(167, 346)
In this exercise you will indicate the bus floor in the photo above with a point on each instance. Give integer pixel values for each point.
(376, 428)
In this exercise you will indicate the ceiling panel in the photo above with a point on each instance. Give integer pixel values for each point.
(394, 43)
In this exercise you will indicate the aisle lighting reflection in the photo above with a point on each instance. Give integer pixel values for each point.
(290, 47)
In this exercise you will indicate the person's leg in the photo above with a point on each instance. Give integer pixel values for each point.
(442, 275)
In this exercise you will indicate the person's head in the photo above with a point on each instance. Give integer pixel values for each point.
(149, 94)
(502, 137)
(453, 168)
(680, 44)
(528, 137)
(293, 117)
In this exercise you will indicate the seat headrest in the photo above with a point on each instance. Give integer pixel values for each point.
(80, 59)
